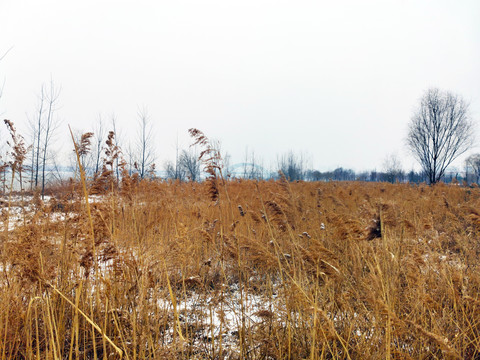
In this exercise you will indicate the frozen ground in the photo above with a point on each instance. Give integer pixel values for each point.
(201, 316)
(18, 209)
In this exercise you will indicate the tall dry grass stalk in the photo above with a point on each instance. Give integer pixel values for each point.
(274, 270)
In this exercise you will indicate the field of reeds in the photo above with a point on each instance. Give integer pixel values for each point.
(242, 270)
(126, 268)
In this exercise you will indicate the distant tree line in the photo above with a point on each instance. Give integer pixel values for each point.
(439, 132)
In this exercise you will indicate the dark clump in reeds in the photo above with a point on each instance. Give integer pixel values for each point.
(374, 230)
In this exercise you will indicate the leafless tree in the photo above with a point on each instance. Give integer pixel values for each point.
(145, 154)
(186, 167)
(473, 165)
(392, 168)
(174, 171)
(50, 125)
(130, 159)
(439, 132)
(36, 127)
(43, 127)
(252, 168)
(190, 164)
(292, 166)
(99, 139)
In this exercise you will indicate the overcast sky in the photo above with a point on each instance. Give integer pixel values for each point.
(337, 80)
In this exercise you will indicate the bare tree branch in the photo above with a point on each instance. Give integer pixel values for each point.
(292, 166)
(50, 124)
(145, 154)
(190, 165)
(473, 163)
(99, 137)
(440, 131)
(392, 168)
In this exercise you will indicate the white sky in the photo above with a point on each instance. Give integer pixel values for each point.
(337, 80)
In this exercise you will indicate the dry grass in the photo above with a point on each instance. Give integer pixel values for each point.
(269, 270)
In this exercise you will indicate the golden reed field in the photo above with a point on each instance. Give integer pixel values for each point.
(243, 270)
(124, 268)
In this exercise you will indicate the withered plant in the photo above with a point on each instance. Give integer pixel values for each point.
(276, 270)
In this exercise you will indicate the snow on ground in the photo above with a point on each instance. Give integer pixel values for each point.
(204, 314)
(17, 209)
(209, 317)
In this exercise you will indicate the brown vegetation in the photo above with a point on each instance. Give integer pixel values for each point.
(274, 270)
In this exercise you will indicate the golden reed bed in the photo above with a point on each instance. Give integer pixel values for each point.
(244, 270)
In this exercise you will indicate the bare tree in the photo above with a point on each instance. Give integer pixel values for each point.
(292, 166)
(99, 139)
(145, 154)
(439, 132)
(473, 165)
(186, 166)
(252, 168)
(224, 158)
(130, 159)
(190, 164)
(174, 171)
(36, 126)
(392, 168)
(50, 124)
(341, 174)
(43, 127)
